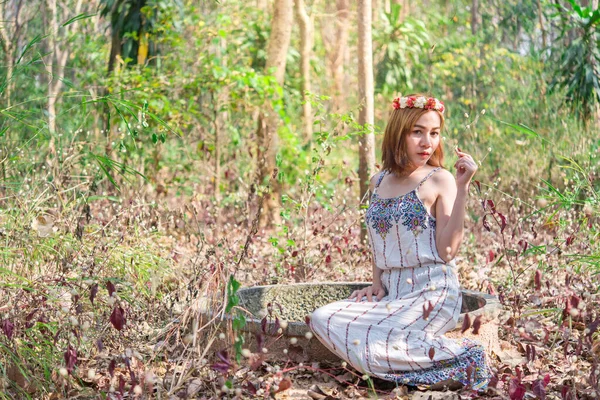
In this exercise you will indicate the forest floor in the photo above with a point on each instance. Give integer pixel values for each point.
(119, 307)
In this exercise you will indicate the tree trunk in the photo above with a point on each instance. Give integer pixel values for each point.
(542, 26)
(366, 144)
(336, 46)
(11, 22)
(54, 81)
(404, 8)
(474, 16)
(306, 44)
(6, 42)
(56, 66)
(266, 133)
(374, 10)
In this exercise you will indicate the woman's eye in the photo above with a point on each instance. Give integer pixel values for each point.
(435, 133)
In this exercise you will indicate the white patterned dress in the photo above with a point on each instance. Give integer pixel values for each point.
(394, 338)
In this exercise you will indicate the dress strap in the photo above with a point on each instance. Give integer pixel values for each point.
(427, 177)
(383, 173)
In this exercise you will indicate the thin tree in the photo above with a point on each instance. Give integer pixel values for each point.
(14, 15)
(266, 132)
(59, 54)
(474, 16)
(306, 44)
(336, 45)
(366, 143)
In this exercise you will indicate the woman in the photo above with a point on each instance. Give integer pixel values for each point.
(394, 328)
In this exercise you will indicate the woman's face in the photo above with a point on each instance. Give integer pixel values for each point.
(423, 139)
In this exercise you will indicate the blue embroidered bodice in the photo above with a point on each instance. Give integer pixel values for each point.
(401, 230)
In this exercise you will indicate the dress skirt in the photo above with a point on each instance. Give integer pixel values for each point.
(401, 337)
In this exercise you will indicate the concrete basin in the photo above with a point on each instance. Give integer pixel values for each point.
(294, 302)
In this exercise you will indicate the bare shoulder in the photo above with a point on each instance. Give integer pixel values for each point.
(374, 179)
(444, 180)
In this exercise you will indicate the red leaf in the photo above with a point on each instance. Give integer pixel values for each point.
(574, 301)
(427, 309)
(121, 384)
(466, 323)
(70, 358)
(477, 325)
(221, 367)
(491, 205)
(328, 259)
(539, 389)
(8, 328)
(503, 221)
(110, 287)
(478, 186)
(470, 373)
(294, 253)
(111, 367)
(285, 384)
(546, 380)
(516, 390)
(538, 279)
(523, 244)
(431, 353)
(117, 318)
(570, 240)
(486, 224)
(250, 388)
(260, 340)
(93, 292)
(263, 324)
(224, 356)
(491, 256)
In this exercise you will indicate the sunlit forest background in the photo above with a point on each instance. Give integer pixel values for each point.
(157, 155)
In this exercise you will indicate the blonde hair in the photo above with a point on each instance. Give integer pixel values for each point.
(393, 147)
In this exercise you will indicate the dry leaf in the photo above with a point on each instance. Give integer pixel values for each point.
(43, 225)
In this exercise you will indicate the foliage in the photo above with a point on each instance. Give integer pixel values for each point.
(400, 44)
(578, 69)
(123, 247)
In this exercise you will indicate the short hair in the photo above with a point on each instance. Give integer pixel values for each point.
(393, 147)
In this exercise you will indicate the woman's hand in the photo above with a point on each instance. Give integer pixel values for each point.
(465, 168)
(376, 289)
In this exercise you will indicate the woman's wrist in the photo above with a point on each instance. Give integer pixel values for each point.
(462, 189)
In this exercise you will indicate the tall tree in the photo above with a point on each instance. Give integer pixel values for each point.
(474, 16)
(130, 29)
(366, 143)
(306, 44)
(59, 54)
(268, 143)
(336, 44)
(14, 15)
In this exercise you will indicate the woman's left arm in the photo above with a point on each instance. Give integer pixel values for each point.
(451, 204)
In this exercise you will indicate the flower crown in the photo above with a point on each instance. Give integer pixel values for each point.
(430, 103)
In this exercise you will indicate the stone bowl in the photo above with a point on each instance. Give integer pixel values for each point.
(294, 302)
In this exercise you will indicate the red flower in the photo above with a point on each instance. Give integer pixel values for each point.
(430, 105)
(396, 103)
(411, 102)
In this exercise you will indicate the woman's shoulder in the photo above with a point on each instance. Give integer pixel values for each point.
(443, 178)
(375, 178)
